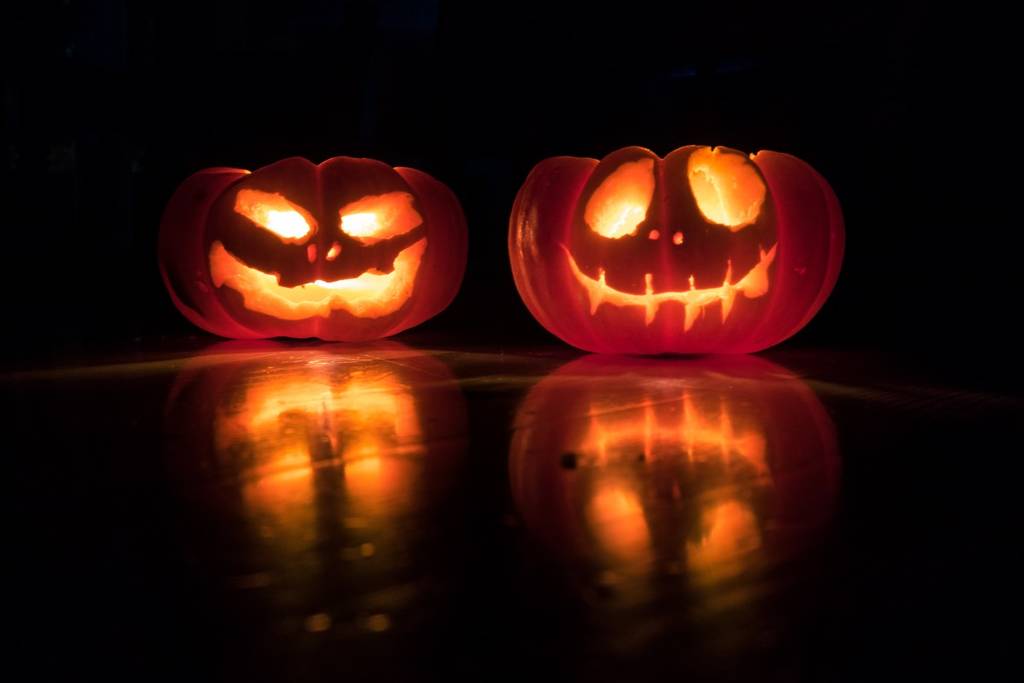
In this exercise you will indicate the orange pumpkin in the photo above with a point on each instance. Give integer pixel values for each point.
(704, 251)
(348, 250)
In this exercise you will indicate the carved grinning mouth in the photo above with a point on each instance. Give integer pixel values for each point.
(370, 295)
(754, 284)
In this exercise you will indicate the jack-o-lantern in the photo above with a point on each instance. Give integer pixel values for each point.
(700, 469)
(320, 471)
(705, 251)
(348, 250)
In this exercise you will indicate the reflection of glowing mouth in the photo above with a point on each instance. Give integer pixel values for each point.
(370, 295)
(753, 285)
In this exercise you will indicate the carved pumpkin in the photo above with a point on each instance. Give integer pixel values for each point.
(705, 468)
(328, 466)
(704, 251)
(349, 250)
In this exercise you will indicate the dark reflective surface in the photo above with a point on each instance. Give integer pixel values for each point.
(313, 512)
(680, 494)
(710, 471)
(319, 477)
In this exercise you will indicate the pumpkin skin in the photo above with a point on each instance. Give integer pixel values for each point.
(705, 251)
(347, 250)
(642, 467)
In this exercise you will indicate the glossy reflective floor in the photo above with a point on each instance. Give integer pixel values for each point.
(325, 512)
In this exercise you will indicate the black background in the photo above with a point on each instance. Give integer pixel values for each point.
(109, 105)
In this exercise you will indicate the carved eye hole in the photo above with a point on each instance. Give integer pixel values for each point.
(620, 202)
(727, 188)
(275, 214)
(379, 217)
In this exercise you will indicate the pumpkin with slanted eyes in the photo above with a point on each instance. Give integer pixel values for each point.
(347, 250)
(705, 251)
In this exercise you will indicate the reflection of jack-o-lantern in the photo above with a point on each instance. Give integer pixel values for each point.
(349, 250)
(639, 467)
(364, 421)
(326, 461)
(706, 250)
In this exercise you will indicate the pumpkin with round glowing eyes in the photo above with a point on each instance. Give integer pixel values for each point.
(347, 250)
(705, 251)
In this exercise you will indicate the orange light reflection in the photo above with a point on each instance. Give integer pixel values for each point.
(366, 422)
(668, 427)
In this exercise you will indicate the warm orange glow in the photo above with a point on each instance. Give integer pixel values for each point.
(379, 217)
(291, 424)
(754, 284)
(678, 427)
(620, 203)
(278, 502)
(706, 432)
(728, 189)
(370, 295)
(382, 424)
(729, 534)
(272, 212)
(670, 425)
(617, 519)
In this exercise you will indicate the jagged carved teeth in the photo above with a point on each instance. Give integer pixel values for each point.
(694, 299)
